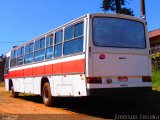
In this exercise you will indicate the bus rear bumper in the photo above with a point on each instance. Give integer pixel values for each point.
(119, 91)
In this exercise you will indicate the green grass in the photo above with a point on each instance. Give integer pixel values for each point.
(156, 79)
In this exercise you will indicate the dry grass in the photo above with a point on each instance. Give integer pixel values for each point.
(156, 88)
(1, 84)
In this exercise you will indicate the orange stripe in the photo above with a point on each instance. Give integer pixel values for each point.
(77, 66)
(19, 73)
(48, 69)
(57, 68)
(28, 72)
(38, 71)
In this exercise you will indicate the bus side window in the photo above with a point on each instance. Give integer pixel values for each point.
(39, 50)
(78, 29)
(73, 46)
(6, 66)
(28, 53)
(29, 58)
(58, 44)
(73, 39)
(69, 33)
(13, 58)
(49, 46)
(20, 56)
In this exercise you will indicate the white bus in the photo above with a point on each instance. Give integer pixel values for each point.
(90, 56)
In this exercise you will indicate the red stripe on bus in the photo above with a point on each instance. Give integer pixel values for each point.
(27, 72)
(76, 66)
(57, 68)
(48, 69)
(20, 73)
(38, 71)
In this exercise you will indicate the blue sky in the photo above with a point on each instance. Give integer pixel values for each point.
(22, 20)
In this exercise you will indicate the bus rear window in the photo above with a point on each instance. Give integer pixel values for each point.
(121, 33)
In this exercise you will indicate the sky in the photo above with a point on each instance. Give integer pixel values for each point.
(22, 20)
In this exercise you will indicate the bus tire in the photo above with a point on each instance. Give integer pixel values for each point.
(46, 94)
(13, 93)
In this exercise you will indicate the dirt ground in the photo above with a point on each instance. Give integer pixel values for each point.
(29, 107)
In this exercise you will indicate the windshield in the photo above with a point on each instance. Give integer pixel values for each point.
(115, 32)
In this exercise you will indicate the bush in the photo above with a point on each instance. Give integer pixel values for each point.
(156, 77)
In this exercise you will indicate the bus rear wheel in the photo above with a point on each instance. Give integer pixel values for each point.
(13, 93)
(46, 94)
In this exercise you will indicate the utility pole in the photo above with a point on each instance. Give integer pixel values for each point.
(143, 11)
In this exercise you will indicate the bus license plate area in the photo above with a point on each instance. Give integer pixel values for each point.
(122, 79)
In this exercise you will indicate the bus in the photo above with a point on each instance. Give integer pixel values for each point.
(93, 55)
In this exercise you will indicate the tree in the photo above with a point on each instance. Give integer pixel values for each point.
(116, 6)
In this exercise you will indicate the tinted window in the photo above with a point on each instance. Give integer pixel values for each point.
(20, 60)
(39, 55)
(49, 52)
(73, 46)
(78, 29)
(74, 37)
(15, 53)
(6, 69)
(69, 33)
(30, 47)
(58, 50)
(37, 45)
(58, 37)
(12, 54)
(19, 52)
(42, 43)
(27, 49)
(13, 58)
(22, 50)
(7, 62)
(49, 40)
(29, 58)
(122, 33)
(13, 62)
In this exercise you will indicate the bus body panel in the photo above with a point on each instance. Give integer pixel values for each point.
(120, 65)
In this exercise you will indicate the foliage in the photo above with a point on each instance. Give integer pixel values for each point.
(116, 6)
(156, 77)
(155, 69)
(156, 60)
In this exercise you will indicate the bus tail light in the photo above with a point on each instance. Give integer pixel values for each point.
(102, 56)
(94, 80)
(146, 79)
